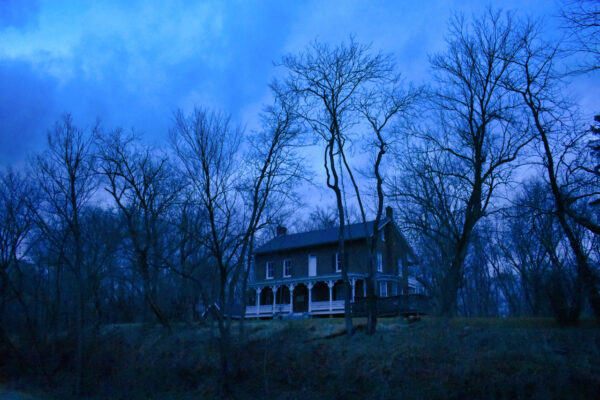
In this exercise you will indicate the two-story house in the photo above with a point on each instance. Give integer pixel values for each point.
(301, 272)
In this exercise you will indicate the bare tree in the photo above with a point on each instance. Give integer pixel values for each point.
(207, 147)
(233, 192)
(538, 84)
(464, 153)
(582, 20)
(65, 175)
(144, 186)
(17, 222)
(189, 256)
(335, 89)
(430, 200)
(380, 105)
(272, 169)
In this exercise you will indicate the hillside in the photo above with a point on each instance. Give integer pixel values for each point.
(463, 358)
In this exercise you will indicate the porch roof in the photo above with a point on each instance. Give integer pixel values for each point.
(305, 279)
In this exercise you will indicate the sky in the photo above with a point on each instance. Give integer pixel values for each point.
(133, 63)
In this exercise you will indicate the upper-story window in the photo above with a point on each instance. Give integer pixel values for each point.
(270, 270)
(399, 267)
(287, 268)
(382, 289)
(379, 262)
(338, 263)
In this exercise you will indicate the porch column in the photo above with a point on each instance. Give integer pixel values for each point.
(364, 288)
(309, 285)
(353, 283)
(258, 290)
(330, 284)
(274, 289)
(291, 287)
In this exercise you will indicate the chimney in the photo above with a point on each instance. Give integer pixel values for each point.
(281, 230)
(389, 212)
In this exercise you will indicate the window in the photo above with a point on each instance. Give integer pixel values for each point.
(400, 268)
(382, 289)
(383, 235)
(270, 269)
(338, 263)
(379, 262)
(287, 268)
(395, 289)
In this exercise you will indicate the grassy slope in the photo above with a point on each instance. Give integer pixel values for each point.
(462, 358)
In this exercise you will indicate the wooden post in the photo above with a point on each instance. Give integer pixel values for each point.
(353, 283)
(274, 289)
(291, 287)
(309, 285)
(258, 290)
(330, 284)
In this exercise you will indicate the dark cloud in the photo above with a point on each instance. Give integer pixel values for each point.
(18, 13)
(27, 109)
(128, 82)
(132, 64)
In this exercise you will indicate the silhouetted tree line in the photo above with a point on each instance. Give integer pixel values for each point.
(491, 169)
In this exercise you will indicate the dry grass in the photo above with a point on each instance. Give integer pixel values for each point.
(433, 358)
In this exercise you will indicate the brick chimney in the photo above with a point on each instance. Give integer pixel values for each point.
(281, 230)
(389, 212)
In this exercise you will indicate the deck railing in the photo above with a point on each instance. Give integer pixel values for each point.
(315, 306)
(336, 305)
(267, 309)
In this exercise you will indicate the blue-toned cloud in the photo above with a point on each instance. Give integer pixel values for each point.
(133, 63)
(27, 108)
(18, 13)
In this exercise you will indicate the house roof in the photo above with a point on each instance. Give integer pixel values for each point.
(319, 237)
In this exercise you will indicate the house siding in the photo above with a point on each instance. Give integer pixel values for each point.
(394, 248)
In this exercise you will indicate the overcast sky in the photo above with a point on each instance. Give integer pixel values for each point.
(132, 63)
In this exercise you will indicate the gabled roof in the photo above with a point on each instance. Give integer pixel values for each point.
(315, 238)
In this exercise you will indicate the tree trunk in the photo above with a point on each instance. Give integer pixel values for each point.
(587, 276)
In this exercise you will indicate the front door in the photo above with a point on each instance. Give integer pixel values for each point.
(312, 265)
(300, 299)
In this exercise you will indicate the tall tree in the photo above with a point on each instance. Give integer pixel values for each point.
(207, 145)
(66, 177)
(331, 87)
(17, 222)
(463, 153)
(144, 186)
(538, 83)
(273, 168)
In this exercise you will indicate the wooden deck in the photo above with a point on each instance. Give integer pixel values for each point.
(408, 304)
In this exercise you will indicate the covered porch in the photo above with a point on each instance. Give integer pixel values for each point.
(322, 295)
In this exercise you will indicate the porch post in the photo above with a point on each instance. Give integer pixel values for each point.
(353, 282)
(274, 289)
(364, 288)
(258, 290)
(309, 285)
(291, 287)
(330, 284)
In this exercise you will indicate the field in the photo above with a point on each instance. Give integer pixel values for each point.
(313, 359)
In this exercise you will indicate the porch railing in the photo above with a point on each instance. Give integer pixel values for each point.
(316, 306)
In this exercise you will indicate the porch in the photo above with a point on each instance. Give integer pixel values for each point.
(322, 295)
